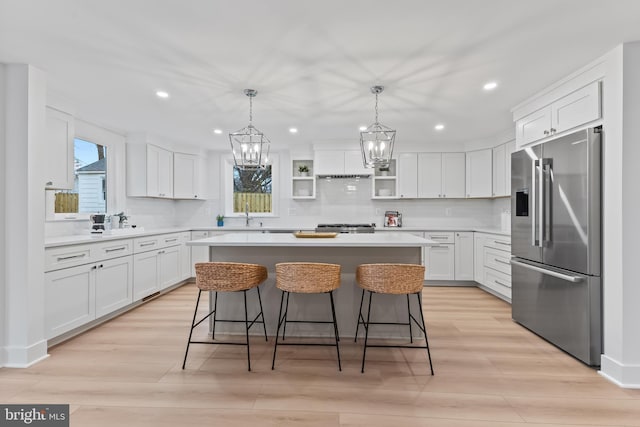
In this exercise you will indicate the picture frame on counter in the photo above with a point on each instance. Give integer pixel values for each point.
(392, 219)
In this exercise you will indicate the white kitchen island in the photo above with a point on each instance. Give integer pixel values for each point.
(348, 250)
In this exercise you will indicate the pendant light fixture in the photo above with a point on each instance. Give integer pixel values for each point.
(249, 146)
(377, 140)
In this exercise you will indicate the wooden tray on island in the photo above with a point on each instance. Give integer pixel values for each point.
(314, 234)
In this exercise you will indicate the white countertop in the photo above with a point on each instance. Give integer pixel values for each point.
(91, 238)
(343, 240)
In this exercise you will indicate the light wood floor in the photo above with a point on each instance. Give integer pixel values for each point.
(489, 372)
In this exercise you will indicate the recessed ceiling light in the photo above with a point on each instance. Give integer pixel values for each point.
(293, 130)
(439, 126)
(490, 86)
(363, 128)
(162, 94)
(217, 131)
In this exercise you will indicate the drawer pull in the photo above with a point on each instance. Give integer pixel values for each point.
(63, 258)
(170, 240)
(502, 261)
(121, 248)
(160, 252)
(148, 244)
(502, 243)
(500, 283)
(438, 237)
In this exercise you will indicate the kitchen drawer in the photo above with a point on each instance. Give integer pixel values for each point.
(498, 282)
(440, 237)
(167, 240)
(185, 237)
(498, 260)
(112, 249)
(197, 235)
(67, 256)
(502, 243)
(143, 244)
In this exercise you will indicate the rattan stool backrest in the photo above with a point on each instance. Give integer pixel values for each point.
(229, 276)
(307, 277)
(391, 278)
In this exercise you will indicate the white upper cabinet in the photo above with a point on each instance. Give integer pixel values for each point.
(453, 175)
(407, 172)
(339, 162)
(149, 171)
(429, 175)
(186, 176)
(502, 169)
(59, 170)
(577, 108)
(479, 173)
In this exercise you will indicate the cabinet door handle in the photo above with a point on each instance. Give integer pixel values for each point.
(444, 195)
(546, 132)
(497, 242)
(160, 252)
(552, 130)
(49, 183)
(502, 261)
(63, 258)
(148, 244)
(101, 265)
(94, 267)
(500, 283)
(116, 249)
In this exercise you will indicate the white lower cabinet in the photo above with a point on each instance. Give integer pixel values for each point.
(198, 253)
(145, 274)
(78, 295)
(492, 267)
(185, 256)
(464, 255)
(114, 285)
(439, 262)
(169, 263)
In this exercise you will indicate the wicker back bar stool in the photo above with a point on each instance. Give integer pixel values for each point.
(394, 279)
(228, 277)
(306, 278)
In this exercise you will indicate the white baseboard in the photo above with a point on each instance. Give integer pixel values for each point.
(623, 375)
(23, 357)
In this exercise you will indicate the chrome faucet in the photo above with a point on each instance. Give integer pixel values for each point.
(246, 213)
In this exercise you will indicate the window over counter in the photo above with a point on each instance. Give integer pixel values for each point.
(89, 193)
(255, 188)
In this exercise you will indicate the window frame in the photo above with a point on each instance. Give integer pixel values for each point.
(227, 180)
(52, 216)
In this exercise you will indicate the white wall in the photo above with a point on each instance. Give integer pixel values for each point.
(25, 94)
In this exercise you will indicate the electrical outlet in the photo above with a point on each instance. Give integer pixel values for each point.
(447, 212)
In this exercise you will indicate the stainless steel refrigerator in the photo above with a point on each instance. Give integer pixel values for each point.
(556, 242)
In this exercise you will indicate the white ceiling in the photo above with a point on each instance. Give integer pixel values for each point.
(312, 62)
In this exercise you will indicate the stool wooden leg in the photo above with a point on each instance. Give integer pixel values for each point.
(246, 324)
(366, 331)
(195, 312)
(335, 329)
(264, 324)
(359, 317)
(424, 329)
(275, 348)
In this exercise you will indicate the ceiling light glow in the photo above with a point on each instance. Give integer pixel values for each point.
(217, 131)
(362, 128)
(162, 94)
(293, 130)
(490, 86)
(439, 126)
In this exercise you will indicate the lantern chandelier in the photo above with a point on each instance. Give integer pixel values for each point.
(249, 146)
(377, 140)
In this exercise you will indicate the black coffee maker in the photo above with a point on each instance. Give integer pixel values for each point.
(97, 222)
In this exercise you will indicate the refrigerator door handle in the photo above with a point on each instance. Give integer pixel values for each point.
(541, 204)
(567, 277)
(545, 187)
(534, 195)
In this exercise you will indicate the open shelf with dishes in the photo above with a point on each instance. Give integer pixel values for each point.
(303, 182)
(385, 182)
